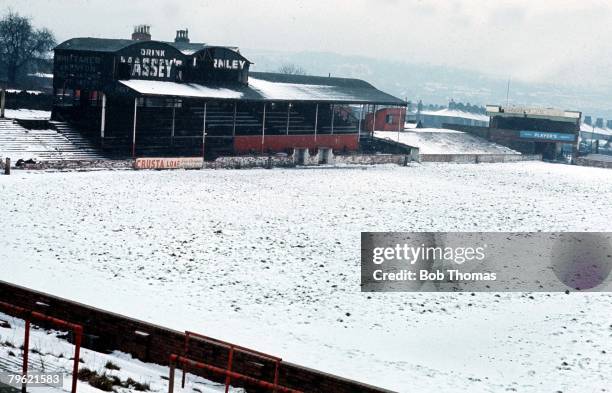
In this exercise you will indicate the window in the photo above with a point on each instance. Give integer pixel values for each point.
(389, 119)
(95, 98)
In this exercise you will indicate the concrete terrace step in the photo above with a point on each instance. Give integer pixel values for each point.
(62, 143)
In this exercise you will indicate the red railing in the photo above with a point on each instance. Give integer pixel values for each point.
(28, 316)
(232, 348)
(184, 362)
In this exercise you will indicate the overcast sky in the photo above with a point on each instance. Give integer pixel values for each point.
(533, 40)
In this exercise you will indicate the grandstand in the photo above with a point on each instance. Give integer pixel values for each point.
(142, 97)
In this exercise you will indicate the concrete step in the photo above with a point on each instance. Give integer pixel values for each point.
(62, 143)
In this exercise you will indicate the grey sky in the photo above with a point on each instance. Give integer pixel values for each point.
(556, 41)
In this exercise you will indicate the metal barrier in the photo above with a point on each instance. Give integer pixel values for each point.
(232, 348)
(28, 316)
(183, 361)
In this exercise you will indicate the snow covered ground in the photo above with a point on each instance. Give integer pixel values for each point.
(269, 259)
(443, 141)
(51, 353)
(27, 114)
(35, 92)
(458, 113)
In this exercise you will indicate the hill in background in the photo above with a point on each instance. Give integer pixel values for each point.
(438, 84)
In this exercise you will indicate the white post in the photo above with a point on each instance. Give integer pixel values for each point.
(332, 118)
(316, 121)
(235, 113)
(204, 130)
(103, 120)
(288, 116)
(399, 123)
(374, 121)
(359, 124)
(173, 122)
(263, 128)
(134, 129)
(2, 103)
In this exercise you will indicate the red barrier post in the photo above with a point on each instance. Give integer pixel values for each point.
(171, 379)
(28, 315)
(231, 347)
(185, 349)
(217, 370)
(276, 375)
(229, 368)
(77, 357)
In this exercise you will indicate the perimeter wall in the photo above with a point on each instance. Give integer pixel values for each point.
(107, 331)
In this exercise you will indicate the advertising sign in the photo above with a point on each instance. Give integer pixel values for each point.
(169, 163)
(151, 60)
(551, 136)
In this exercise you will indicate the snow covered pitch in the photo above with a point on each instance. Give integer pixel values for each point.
(270, 259)
(444, 141)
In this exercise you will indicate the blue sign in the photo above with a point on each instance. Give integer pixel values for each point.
(551, 136)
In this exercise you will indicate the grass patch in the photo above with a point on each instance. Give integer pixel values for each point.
(96, 380)
(9, 344)
(111, 366)
(107, 383)
(141, 387)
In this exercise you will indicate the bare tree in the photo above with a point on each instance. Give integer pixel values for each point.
(22, 47)
(291, 69)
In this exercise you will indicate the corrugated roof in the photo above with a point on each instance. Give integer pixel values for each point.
(316, 88)
(274, 87)
(92, 44)
(311, 80)
(174, 89)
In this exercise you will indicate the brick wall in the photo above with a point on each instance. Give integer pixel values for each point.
(600, 163)
(105, 330)
(398, 117)
(373, 159)
(479, 158)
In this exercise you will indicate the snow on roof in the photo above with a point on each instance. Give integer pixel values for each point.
(457, 113)
(332, 89)
(259, 89)
(534, 113)
(300, 92)
(147, 87)
(42, 75)
(596, 130)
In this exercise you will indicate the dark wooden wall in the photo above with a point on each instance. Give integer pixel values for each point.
(106, 331)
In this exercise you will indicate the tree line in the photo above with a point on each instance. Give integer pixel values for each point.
(452, 105)
(27, 50)
(24, 49)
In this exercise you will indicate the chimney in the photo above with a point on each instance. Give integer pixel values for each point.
(142, 33)
(182, 36)
(609, 124)
(588, 120)
(599, 123)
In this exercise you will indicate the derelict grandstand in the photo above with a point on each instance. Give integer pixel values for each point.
(143, 97)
